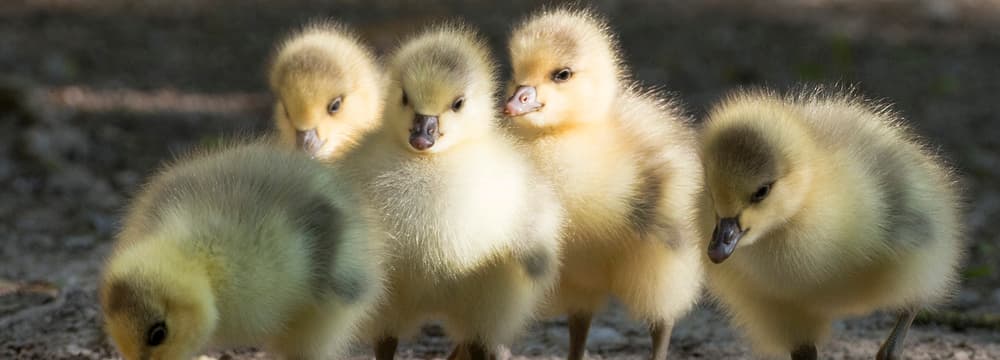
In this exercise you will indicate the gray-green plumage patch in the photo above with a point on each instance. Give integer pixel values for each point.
(537, 263)
(350, 285)
(742, 151)
(905, 223)
(451, 60)
(644, 214)
(323, 225)
(307, 60)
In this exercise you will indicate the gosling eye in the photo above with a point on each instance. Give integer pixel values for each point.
(457, 105)
(761, 193)
(334, 106)
(156, 334)
(406, 100)
(562, 75)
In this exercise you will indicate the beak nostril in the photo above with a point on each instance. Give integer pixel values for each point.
(523, 101)
(424, 132)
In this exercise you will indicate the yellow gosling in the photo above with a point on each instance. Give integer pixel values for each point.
(625, 165)
(473, 231)
(823, 206)
(328, 86)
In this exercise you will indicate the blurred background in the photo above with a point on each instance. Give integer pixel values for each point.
(94, 95)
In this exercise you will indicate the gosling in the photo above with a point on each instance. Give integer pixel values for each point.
(248, 245)
(626, 168)
(473, 231)
(328, 86)
(823, 206)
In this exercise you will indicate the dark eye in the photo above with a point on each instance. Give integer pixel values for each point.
(334, 106)
(562, 75)
(457, 105)
(406, 100)
(761, 193)
(156, 334)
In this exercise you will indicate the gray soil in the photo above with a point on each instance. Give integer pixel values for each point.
(95, 95)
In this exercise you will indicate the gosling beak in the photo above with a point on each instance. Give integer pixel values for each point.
(524, 100)
(424, 132)
(724, 239)
(308, 141)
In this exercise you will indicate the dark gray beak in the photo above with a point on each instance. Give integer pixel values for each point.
(424, 132)
(724, 239)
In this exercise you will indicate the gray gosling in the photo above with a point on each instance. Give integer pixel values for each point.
(248, 245)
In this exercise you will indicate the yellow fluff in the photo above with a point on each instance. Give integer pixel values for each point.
(473, 232)
(625, 166)
(823, 206)
(328, 86)
(248, 245)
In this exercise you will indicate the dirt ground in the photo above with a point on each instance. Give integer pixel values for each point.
(95, 94)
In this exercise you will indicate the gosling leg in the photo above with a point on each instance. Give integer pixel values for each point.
(385, 348)
(805, 352)
(892, 348)
(477, 351)
(660, 332)
(579, 327)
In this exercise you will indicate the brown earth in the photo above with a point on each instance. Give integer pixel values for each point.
(95, 94)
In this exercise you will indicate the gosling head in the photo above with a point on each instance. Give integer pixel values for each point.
(329, 89)
(154, 309)
(441, 86)
(755, 155)
(565, 69)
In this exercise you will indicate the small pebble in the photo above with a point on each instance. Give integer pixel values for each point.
(961, 355)
(605, 337)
